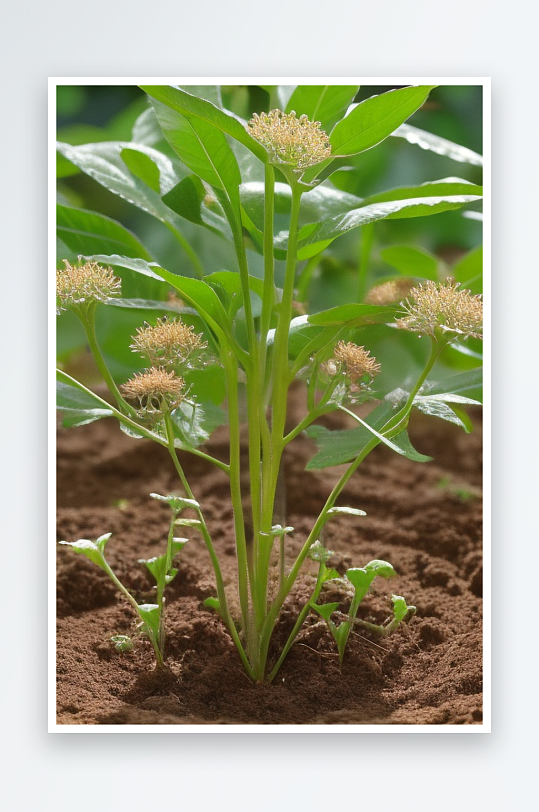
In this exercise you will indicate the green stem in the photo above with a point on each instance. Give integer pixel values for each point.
(88, 322)
(221, 594)
(394, 423)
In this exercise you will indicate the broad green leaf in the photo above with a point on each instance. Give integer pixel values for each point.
(353, 315)
(200, 295)
(438, 406)
(203, 148)
(446, 187)
(339, 447)
(187, 104)
(188, 422)
(411, 261)
(323, 103)
(212, 603)
(86, 232)
(78, 408)
(103, 162)
(469, 270)
(227, 284)
(317, 204)
(402, 441)
(435, 143)
(470, 382)
(146, 129)
(187, 199)
(142, 166)
(374, 119)
(360, 580)
(314, 238)
(149, 304)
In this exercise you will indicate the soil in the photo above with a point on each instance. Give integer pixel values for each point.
(426, 519)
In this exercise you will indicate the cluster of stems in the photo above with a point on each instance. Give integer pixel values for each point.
(266, 372)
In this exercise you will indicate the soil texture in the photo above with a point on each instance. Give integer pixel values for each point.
(426, 519)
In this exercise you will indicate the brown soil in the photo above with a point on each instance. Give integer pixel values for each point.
(426, 519)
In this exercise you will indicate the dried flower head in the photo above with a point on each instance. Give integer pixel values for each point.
(435, 306)
(155, 389)
(355, 362)
(79, 284)
(169, 342)
(388, 293)
(295, 141)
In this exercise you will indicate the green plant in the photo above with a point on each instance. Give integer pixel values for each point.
(236, 331)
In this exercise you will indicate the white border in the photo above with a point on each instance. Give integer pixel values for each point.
(485, 727)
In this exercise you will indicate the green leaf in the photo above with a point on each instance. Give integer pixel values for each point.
(103, 162)
(402, 441)
(78, 407)
(150, 614)
(212, 603)
(88, 549)
(469, 270)
(353, 315)
(188, 426)
(176, 503)
(446, 187)
(228, 284)
(149, 304)
(187, 104)
(470, 382)
(314, 238)
(325, 610)
(344, 511)
(379, 567)
(317, 204)
(411, 261)
(86, 232)
(157, 566)
(360, 580)
(203, 148)
(441, 146)
(339, 447)
(437, 406)
(187, 199)
(323, 103)
(142, 166)
(122, 642)
(200, 295)
(373, 120)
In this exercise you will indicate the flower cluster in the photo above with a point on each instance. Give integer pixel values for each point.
(433, 307)
(388, 293)
(298, 142)
(156, 390)
(354, 362)
(85, 284)
(169, 343)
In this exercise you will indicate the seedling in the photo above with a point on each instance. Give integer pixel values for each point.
(249, 329)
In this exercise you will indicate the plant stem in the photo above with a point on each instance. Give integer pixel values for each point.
(394, 425)
(88, 322)
(223, 604)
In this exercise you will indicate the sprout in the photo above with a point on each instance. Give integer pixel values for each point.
(298, 142)
(156, 390)
(434, 307)
(169, 342)
(88, 283)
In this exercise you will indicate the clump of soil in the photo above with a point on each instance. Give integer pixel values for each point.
(426, 519)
